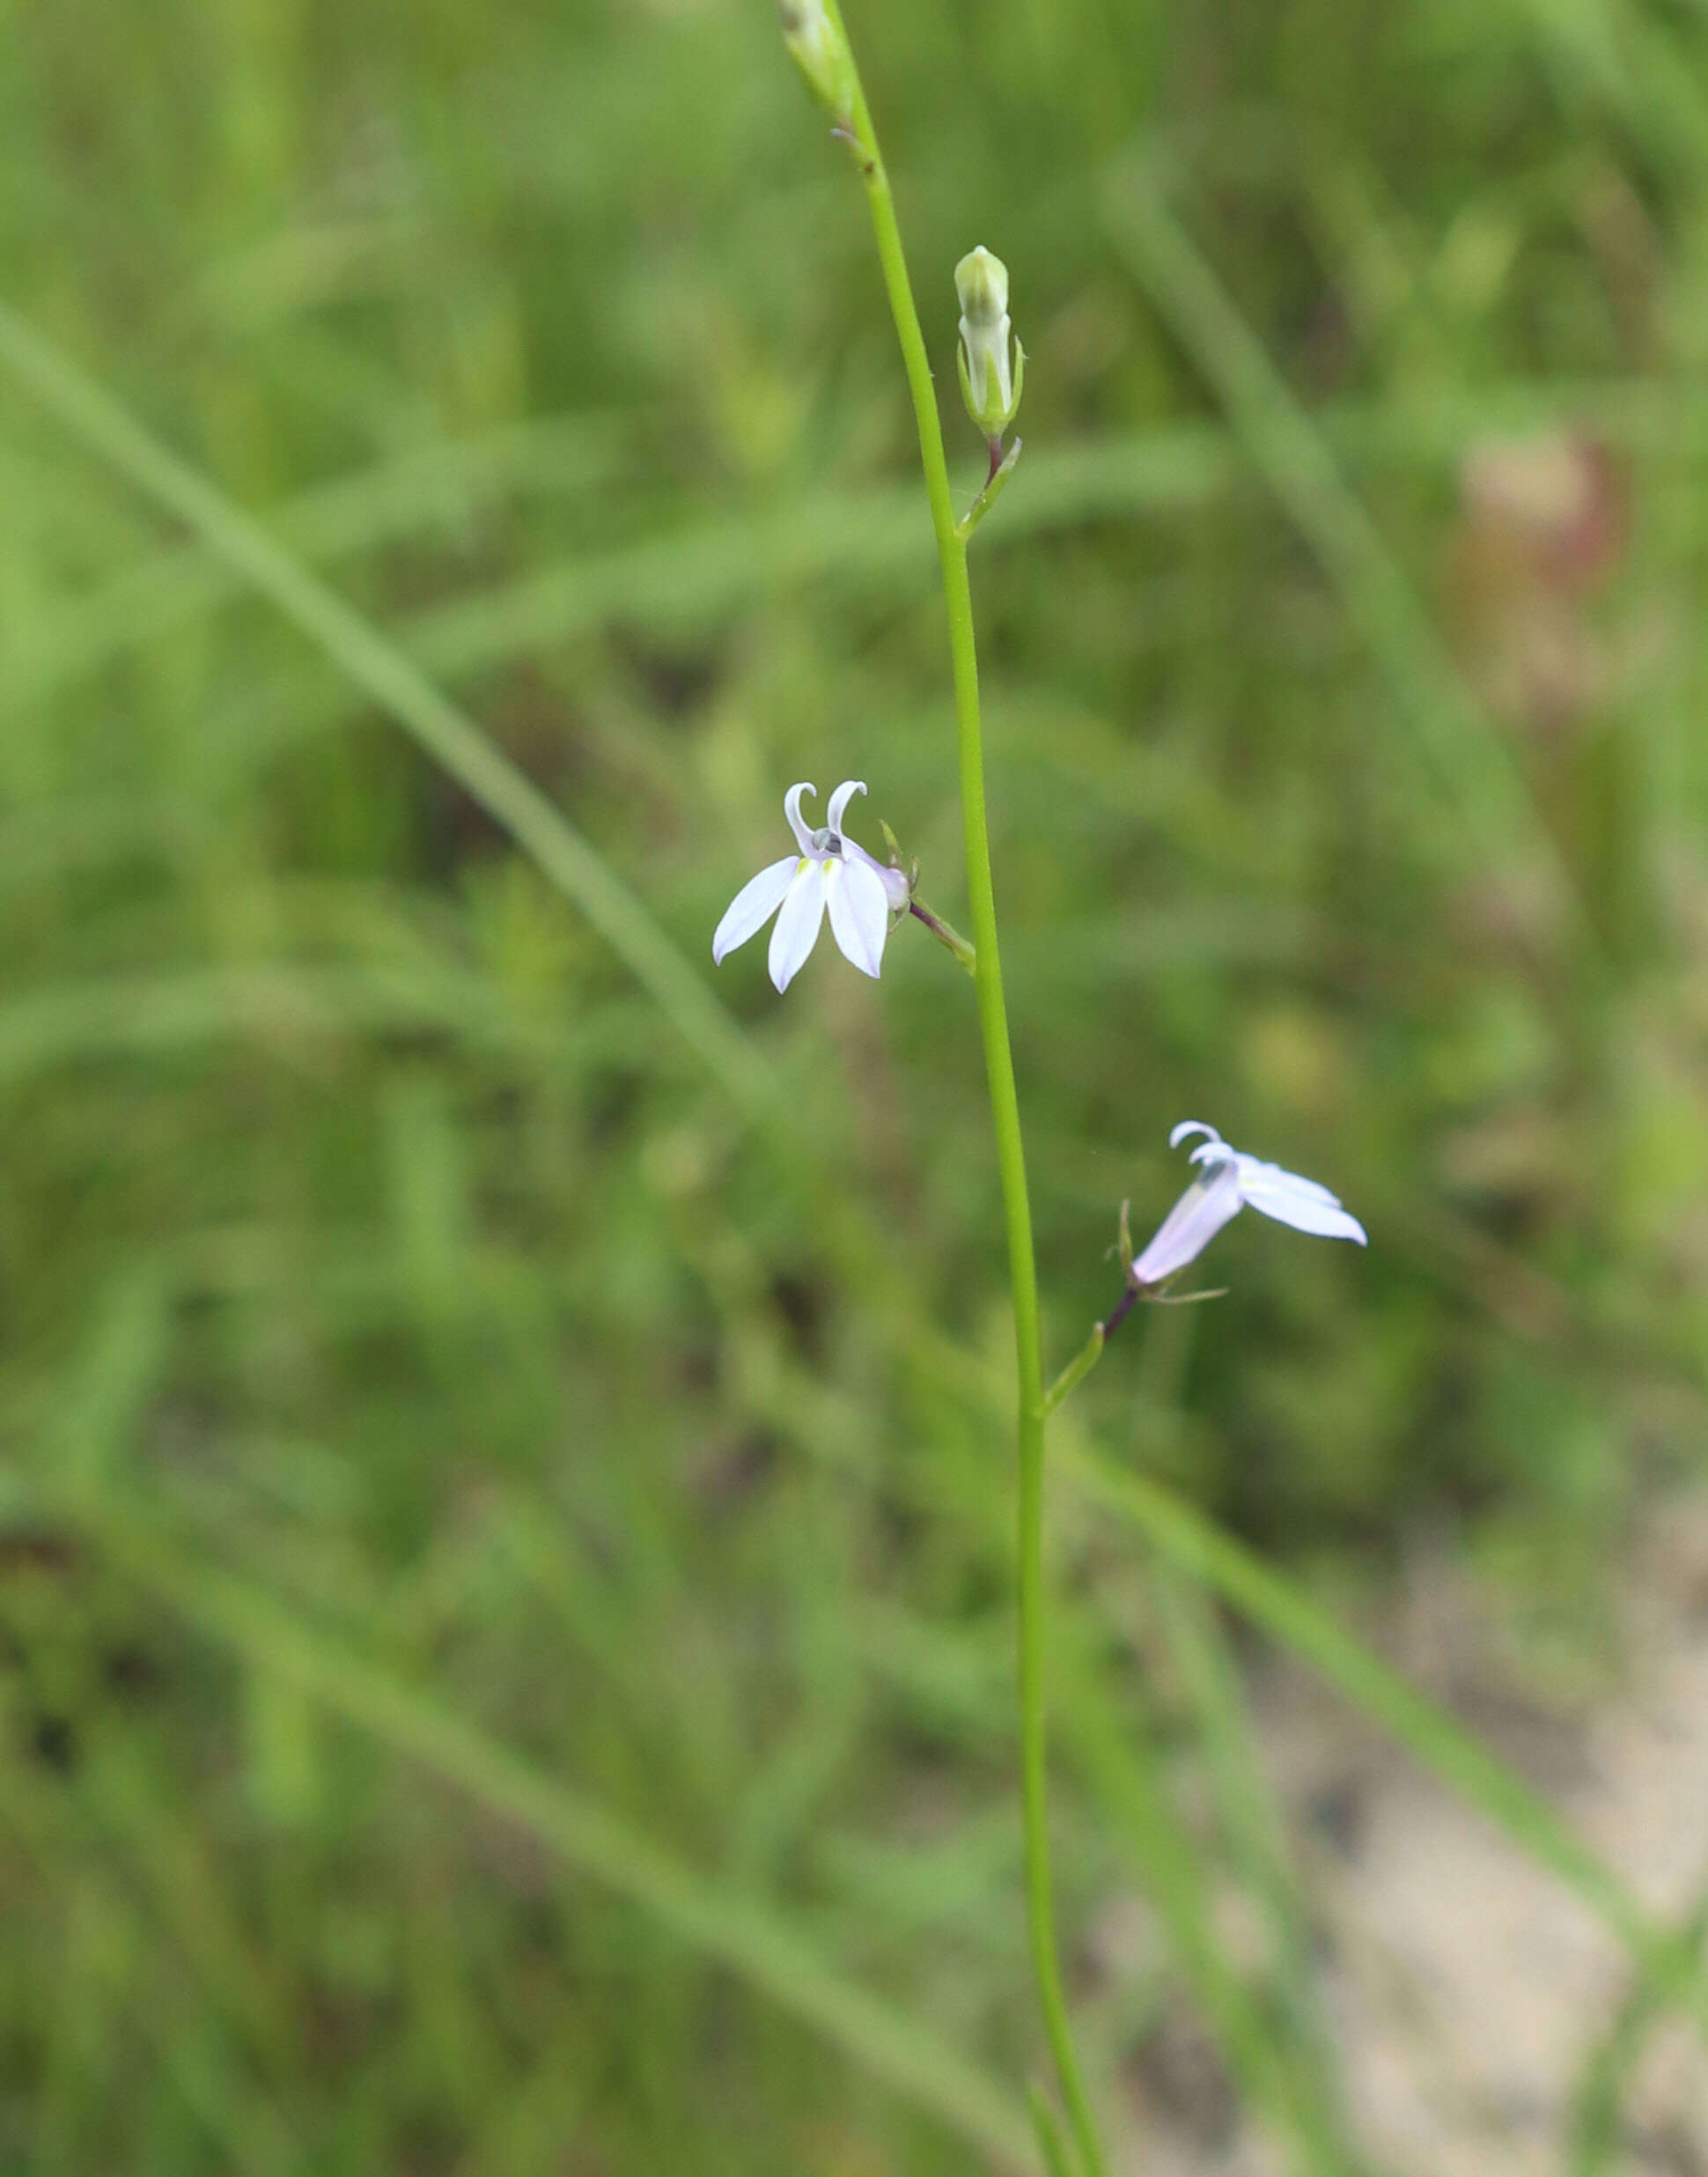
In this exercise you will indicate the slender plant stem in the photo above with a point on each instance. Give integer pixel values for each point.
(1005, 1121)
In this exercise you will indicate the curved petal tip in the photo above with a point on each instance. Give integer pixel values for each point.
(798, 824)
(839, 801)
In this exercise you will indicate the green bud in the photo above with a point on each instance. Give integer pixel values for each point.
(991, 362)
(820, 53)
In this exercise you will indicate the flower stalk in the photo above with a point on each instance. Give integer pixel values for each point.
(1004, 1113)
(946, 933)
(1002, 468)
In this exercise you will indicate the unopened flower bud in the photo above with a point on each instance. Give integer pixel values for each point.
(991, 362)
(820, 53)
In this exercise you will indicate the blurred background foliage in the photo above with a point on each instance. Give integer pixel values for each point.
(379, 1265)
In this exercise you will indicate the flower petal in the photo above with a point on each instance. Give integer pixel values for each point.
(859, 912)
(797, 930)
(897, 890)
(1191, 1224)
(798, 824)
(1300, 1203)
(1178, 1134)
(754, 905)
(839, 801)
(1254, 1174)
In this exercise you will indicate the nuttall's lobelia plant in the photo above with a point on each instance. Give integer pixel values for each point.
(830, 872)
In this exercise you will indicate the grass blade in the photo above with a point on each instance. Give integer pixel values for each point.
(447, 485)
(398, 687)
(1199, 1547)
(902, 2052)
(285, 1007)
(1291, 454)
(1595, 2127)
(1253, 1823)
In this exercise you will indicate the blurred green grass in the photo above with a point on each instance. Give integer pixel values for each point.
(391, 1300)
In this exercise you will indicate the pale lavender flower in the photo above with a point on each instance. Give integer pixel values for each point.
(829, 872)
(1226, 1182)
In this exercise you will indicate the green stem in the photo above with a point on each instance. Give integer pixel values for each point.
(1005, 1121)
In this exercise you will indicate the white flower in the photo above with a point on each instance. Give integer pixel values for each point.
(829, 871)
(1226, 1182)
